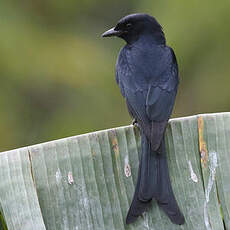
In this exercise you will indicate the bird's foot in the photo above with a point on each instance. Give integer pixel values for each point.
(135, 123)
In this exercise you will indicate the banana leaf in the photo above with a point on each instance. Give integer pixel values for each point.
(87, 181)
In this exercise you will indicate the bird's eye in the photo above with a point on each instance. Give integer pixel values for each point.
(128, 25)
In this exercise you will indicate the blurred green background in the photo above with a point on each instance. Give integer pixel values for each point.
(57, 73)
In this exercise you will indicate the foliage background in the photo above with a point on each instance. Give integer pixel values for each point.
(57, 73)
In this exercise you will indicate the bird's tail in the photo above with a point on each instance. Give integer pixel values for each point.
(153, 183)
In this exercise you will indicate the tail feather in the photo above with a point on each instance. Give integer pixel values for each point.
(154, 183)
(166, 199)
(137, 206)
(148, 173)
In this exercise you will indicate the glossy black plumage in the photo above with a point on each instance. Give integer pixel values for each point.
(147, 74)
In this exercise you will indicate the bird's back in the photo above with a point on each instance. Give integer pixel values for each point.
(141, 65)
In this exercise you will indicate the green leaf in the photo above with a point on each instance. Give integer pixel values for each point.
(18, 197)
(87, 181)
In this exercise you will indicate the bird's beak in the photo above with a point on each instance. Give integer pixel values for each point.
(111, 32)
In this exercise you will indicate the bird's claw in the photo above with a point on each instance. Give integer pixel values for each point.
(135, 123)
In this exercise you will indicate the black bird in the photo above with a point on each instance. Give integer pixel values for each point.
(147, 74)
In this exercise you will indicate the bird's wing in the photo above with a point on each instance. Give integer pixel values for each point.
(161, 95)
(149, 99)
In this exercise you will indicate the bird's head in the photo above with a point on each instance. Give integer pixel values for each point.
(133, 26)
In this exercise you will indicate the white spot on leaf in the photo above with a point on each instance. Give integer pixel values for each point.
(127, 168)
(212, 168)
(70, 178)
(58, 176)
(146, 221)
(193, 175)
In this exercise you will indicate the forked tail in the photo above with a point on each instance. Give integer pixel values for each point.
(154, 183)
